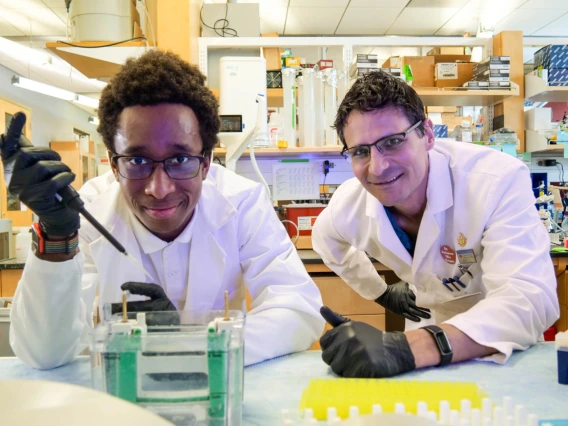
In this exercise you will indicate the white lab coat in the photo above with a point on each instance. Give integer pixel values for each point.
(474, 191)
(237, 242)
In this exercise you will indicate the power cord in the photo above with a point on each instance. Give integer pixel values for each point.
(325, 173)
(225, 30)
(218, 160)
(104, 45)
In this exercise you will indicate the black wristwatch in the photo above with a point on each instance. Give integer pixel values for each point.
(442, 342)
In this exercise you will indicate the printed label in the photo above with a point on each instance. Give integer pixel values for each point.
(306, 223)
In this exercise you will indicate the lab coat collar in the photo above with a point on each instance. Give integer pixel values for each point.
(439, 195)
(150, 243)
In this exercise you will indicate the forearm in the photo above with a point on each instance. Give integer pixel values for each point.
(426, 353)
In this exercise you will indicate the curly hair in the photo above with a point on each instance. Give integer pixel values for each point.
(378, 90)
(154, 78)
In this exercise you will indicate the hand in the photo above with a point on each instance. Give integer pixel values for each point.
(13, 139)
(158, 299)
(355, 349)
(401, 300)
(37, 175)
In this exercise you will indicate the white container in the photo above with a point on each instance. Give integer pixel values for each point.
(101, 20)
(309, 115)
(465, 132)
(319, 112)
(242, 78)
(289, 110)
(275, 129)
(330, 108)
(300, 111)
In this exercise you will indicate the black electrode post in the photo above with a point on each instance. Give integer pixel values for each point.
(71, 199)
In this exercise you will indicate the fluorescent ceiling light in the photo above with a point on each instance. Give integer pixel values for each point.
(86, 100)
(94, 120)
(21, 52)
(45, 89)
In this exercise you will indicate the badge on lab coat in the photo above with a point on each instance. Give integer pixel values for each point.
(448, 254)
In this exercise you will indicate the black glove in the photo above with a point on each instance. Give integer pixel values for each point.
(13, 139)
(38, 174)
(401, 300)
(158, 300)
(355, 349)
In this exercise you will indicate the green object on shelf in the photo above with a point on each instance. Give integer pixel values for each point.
(295, 160)
(407, 71)
(559, 250)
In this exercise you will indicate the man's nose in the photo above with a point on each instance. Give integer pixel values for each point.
(159, 184)
(378, 163)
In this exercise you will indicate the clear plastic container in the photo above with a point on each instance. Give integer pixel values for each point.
(478, 135)
(275, 129)
(465, 131)
(184, 366)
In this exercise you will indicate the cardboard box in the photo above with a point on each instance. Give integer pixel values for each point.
(292, 62)
(451, 109)
(557, 75)
(451, 58)
(450, 50)
(325, 63)
(392, 62)
(453, 74)
(538, 119)
(272, 55)
(422, 69)
(552, 56)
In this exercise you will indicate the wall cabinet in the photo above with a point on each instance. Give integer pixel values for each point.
(10, 206)
(9, 279)
(83, 164)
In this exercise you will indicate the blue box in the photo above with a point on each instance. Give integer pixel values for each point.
(552, 56)
(558, 77)
(440, 131)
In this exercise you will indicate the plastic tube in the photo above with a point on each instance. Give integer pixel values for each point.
(301, 130)
(289, 110)
(319, 112)
(330, 108)
(308, 115)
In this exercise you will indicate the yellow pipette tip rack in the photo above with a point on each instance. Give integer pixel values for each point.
(363, 393)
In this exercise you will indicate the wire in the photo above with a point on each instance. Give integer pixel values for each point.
(104, 45)
(218, 160)
(562, 175)
(324, 191)
(223, 31)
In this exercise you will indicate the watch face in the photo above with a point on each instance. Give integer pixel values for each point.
(443, 342)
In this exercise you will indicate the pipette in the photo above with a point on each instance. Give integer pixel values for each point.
(71, 199)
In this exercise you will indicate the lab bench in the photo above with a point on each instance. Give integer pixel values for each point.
(335, 292)
(529, 377)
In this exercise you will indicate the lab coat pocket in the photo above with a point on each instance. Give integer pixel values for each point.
(457, 305)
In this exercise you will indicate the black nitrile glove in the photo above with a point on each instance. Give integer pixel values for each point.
(401, 300)
(158, 300)
(37, 175)
(13, 139)
(356, 349)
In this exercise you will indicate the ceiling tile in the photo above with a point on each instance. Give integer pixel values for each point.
(436, 4)
(548, 4)
(381, 4)
(421, 21)
(319, 3)
(313, 20)
(369, 17)
(34, 21)
(272, 18)
(22, 4)
(360, 30)
(528, 20)
(558, 28)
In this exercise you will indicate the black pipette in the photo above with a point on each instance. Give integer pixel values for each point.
(71, 199)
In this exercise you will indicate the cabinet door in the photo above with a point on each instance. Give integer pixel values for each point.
(11, 208)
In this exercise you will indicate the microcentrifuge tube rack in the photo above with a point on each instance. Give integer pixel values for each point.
(506, 414)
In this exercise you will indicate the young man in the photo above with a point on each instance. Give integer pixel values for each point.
(456, 221)
(197, 228)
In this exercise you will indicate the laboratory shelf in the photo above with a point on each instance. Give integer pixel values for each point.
(286, 152)
(538, 90)
(455, 97)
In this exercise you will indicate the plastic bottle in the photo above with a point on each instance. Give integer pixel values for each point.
(23, 243)
(275, 129)
(478, 132)
(466, 133)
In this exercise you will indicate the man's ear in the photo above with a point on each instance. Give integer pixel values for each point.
(206, 165)
(428, 133)
(112, 165)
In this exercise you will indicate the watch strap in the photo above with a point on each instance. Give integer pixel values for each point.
(44, 245)
(442, 342)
